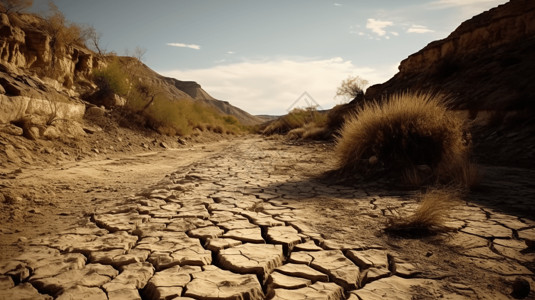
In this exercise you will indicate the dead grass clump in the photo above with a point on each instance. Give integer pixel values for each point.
(413, 137)
(428, 218)
(297, 118)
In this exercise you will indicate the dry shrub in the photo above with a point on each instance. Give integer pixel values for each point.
(297, 118)
(410, 136)
(428, 218)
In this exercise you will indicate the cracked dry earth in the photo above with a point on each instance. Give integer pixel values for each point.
(253, 221)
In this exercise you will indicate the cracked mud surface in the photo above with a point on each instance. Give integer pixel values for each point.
(248, 219)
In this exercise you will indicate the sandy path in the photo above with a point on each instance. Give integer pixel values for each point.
(62, 195)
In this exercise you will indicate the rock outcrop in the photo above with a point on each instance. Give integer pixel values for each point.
(485, 64)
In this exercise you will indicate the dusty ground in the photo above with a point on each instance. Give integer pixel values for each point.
(480, 259)
(54, 198)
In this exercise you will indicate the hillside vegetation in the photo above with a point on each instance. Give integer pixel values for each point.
(155, 106)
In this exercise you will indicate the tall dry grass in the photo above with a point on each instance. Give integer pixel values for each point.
(411, 136)
(429, 217)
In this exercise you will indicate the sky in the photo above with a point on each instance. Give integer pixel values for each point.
(261, 56)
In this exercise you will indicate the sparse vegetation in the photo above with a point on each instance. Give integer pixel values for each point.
(10, 6)
(297, 118)
(62, 32)
(352, 87)
(428, 218)
(413, 137)
(110, 80)
(153, 107)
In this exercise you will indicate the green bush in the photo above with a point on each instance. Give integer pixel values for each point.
(413, 136)
(111, 80)
(180, 117)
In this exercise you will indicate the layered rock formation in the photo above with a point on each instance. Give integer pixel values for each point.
(42, 80)
(485, 64)
(39, 85)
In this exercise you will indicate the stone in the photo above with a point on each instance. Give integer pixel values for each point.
(196, 211)
(23, 291)
(397, 288)
(120, 221)
(89, 243)
(368, 258)
(287, 236)
(236, 224)
(319, 290)
(205, 233)
(404, 268)
(185, 224)
(92, 275)
(52, 266)
(83, 292)
(303, 271)
(118, 257)
(259, 259)
(372, 274)
(95, 111)
(175, 248)
(221, 243)
(279, 280)
(262, 219)
(528, 235)
(307, 246)
(11, 129)
(137, 274)
(170, 282)
(251, 235)
(339, 268)
(6, 282)
(216, 283)
(487, 230)
(301, 257)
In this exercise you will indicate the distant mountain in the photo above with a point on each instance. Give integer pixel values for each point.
(195, 91)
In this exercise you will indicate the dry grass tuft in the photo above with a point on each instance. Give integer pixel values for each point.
(429, 218)
(297, 118)
(413, 137)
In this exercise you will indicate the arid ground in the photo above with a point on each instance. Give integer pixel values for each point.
(253, 218)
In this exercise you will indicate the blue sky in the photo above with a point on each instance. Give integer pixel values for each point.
(262, 55)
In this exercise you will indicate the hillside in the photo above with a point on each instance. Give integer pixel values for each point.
(486, 68)
(486, 63)
(52, 105)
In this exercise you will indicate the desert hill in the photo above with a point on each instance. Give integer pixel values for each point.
(486, 66)
(48, 84)
(485, 63)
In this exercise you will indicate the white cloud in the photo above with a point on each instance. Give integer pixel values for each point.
(418, 29)
(181, 45)
(271, 86)
(337, 4)
(456, 3)
(230, 52)
(394, 33)
(378, 26)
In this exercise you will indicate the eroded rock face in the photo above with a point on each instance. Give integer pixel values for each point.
(485, 64)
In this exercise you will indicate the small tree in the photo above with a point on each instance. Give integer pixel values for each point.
(93, 39)
(352, 87)
(7, 6)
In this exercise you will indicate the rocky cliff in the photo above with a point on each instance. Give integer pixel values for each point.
(485, 64)
(42, 81)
